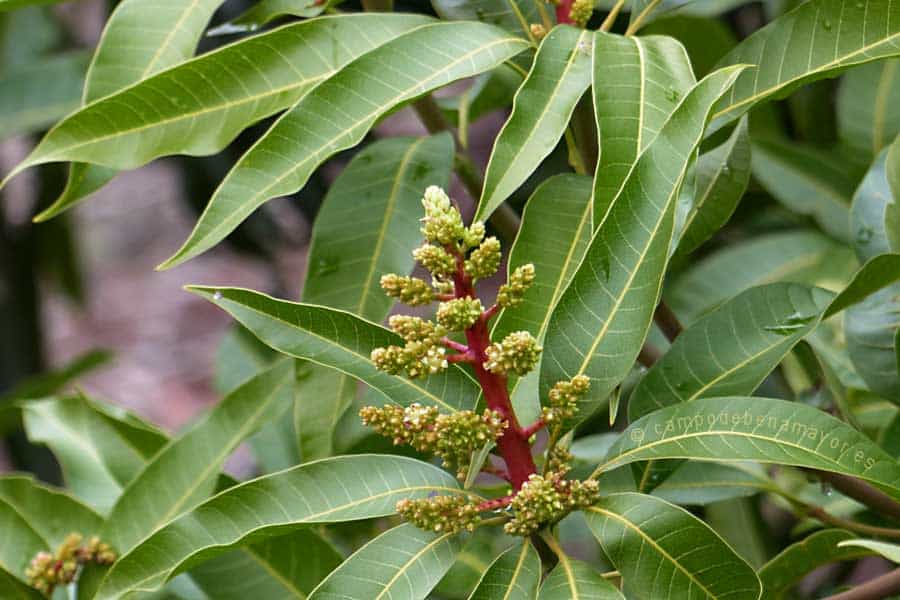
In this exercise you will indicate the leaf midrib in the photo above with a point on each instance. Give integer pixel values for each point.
(412, 560)
(520, 562)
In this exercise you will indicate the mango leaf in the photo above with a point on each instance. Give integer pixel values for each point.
(575, 580)
(20, 542)
(559, 76)
(637, 83)
(700, 484)
(892, 211)
(868, 214)
(185, 471)
(757, 429)
(170, 31)
(729, 351)
(818, 39)
(403, 563)
(559, 209)
(14, 4)
(515, 16)
(706, 40)
(33, 97)
(515, 575)
(601, 320)
(868, 106)
(885, 549)
(663, 551)
(786, 569)
(99, 454)
(722, 177)
(808, 181)
(303, 138)
(52, 513)
(737, 521)
(254, 78)
(54, 380)
(341, 341)
(871, 328)
(327, 491)
(266, 11)
(12, 588)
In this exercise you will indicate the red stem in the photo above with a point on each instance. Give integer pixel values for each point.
(495, 503)
(512, 444)
(533, 428)
(465, 357)
(486, 315)
(455, 345)
(562, 11)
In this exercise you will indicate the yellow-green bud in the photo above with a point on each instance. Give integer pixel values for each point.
(511, 294)
(538, 31)
(438, 261)
(545, 499)
(581, 12)
(459, 314)
(517, 353)
(442, 223)
(409, 290)
(441, 514)
(474, 234)
(391, 360)
(484, 260)
(563, 399)
(46, 571)
(414, 329)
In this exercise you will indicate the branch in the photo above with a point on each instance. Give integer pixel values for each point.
(874, 589)
(533, 428)
(495, 503)
(818, 513)
(862, 492)
(454, 345)
(667, 321)
(649, 355)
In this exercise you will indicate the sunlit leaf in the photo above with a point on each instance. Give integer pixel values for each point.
(885, 549)
(576, 580)
(515, 575)
(696, 483)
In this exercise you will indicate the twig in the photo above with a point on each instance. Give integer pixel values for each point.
(495, 503)
(666, 320)
(533, 428)
(880, 587)
(649, 355)
(639, 21)
(862, 492)
(820, 514)
(454, 345)
(611, 17)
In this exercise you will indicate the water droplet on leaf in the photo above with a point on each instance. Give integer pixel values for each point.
(217, 295)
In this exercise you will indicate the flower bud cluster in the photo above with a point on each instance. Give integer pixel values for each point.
(409, 290)
(438, 261)
(452, 437)
(511, 294)
(538, 31)
(46, 570)
(484, 260)
(443, 225)
(581, 12)
(441, 514)
(518, 353)
(420, 356)
(545, 499)
(459, 314)
(564, 399)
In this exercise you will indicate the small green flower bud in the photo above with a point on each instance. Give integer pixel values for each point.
(459, 314)
(538, 31)
(414, 329)
(581, 12)
(442, 222)
(438, 261)
(511, 294)
(563, 399)
(441, 514)
(409, 290)
(443, 286)
(46, 571)
(545, 499)
(517, 353)
(391, 360)
(484, 260)
(474, 234)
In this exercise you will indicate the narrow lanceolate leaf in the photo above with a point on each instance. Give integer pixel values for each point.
(601, 320)
(868, 106)
(185, 472)
(637, 84)
(817, 39)
(663, 551)
(283, 159)
(722, 178)
(575, 580)
(404, 563)
(35, 96)
(52, 513)
(559, 76)
(731, 350)
(98, 453)
(170, 31)
(885, 549)
(327, 491)
(869, 212)
(699, 484)
(20, 542)
(232, 88)
(757, 429)
(555, 231)
(515, 575)
(784, 571)
(339, 340)
(808, 181)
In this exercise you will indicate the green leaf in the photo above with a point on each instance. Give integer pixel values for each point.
(576, 580)
(758, 429)
(553, 236)
(706, 40)
(892, 211)
(559, 76)
(722, 178)
(341, 341)
(601, 320)
(403, 563)
(868, 106)
(13, 589)
(808, 181)
(781, 573)
(14, 4)
(870, 327)
(868, 214)
(52, 513)
(637, 83)
(663, 551)
(283, 159)
(266, 11)
(516, 16)
(254, 78)
(34, 96)
(699, 484)
(20, 541)
(875, 275)
(99, 454)
(818, 39)
(326, 491)
(170, 31)
(885, 549)
(515, 575)
(186, 470)
(729, 351)
(738, 522)
(51, 382)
